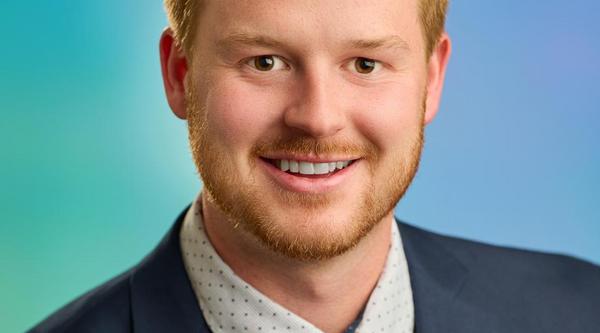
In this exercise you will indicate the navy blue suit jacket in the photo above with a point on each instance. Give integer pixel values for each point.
(458, 286)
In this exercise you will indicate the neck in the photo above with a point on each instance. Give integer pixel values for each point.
(330, 293)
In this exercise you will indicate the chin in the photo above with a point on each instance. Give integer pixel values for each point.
(309, 234)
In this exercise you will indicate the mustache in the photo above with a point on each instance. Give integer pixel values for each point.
(305, 145)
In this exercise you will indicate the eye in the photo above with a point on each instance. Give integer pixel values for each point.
(366, 65)
(265, 63)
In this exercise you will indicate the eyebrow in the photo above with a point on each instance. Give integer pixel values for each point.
(248, 40)
(392, 41)
(245, 39)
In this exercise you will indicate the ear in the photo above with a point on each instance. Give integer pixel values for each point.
(436, 71)
(174, 69)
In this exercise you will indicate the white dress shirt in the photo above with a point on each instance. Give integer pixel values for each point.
(229, 304)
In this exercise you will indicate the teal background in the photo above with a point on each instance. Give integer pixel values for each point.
(94, 167)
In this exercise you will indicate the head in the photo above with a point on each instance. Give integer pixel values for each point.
(265, 84)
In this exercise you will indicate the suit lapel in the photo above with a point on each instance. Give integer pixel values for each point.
(162, 298)
(437, 278)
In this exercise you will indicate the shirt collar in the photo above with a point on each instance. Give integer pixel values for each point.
(229, 304)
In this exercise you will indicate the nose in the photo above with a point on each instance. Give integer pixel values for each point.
(314, 110)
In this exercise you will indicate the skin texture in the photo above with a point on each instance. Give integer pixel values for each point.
(318, 251)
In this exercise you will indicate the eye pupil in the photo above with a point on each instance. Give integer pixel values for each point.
(364, 65)
(264, 63)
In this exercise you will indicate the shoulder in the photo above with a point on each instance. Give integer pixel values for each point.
(528, 286)
(103, 309)
(507, 263)
(152, 296)
(481, 257)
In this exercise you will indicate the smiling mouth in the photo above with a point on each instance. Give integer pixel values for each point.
(304, 168)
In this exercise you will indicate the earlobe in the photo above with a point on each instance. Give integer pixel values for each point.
(174, 70)
(436, 72)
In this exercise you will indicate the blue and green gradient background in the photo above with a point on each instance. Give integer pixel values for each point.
(94, 167)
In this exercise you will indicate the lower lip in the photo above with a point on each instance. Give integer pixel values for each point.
(308, 183)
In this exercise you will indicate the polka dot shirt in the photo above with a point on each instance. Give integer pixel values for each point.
(229, 304)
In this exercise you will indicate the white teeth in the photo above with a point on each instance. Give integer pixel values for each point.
(332, 166)
(321, 168)
(308, 168)
(285, 165)
(294, 166)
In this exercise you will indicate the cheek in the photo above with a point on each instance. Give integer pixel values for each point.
(389, 117)
(238, 115)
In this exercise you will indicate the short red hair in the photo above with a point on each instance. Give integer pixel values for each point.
(182, 15)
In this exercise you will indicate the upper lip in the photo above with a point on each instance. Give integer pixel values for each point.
(308, 158)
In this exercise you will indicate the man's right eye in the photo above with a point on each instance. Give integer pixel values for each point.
(265, 63)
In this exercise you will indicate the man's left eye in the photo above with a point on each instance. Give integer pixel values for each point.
(365, 66)
(266, 63)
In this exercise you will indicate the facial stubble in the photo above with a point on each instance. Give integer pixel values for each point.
(240, 199)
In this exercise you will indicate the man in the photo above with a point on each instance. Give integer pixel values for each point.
(306, 124)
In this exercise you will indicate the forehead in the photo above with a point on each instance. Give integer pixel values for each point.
(311, 22)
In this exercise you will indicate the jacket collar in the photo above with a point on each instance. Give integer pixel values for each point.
(437, 279)
(162, 298)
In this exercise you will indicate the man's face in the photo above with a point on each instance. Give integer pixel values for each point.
(281, 94)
